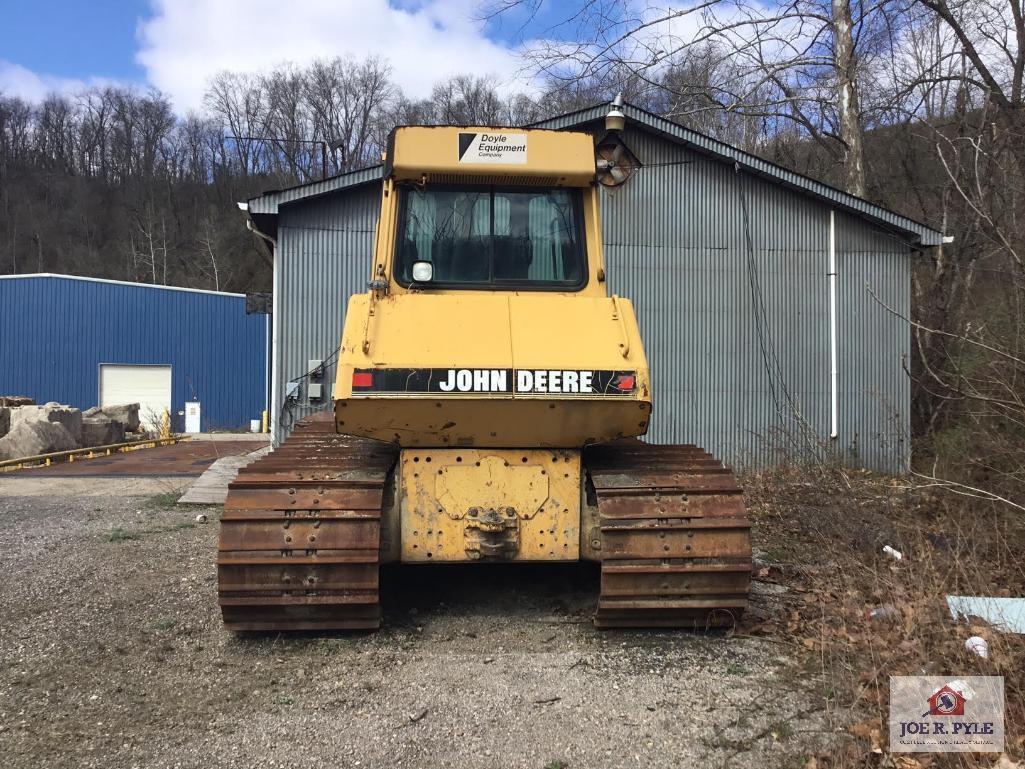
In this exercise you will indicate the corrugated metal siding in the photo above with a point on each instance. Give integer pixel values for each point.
(875, 391)
(55, 332)
(830, 195)
(268, 202)
(325, 247)
(740, 356)
(675, 244)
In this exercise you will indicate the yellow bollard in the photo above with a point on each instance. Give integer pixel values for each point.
(266, 421)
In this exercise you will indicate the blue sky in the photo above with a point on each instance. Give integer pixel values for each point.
(175, 45)
(73, 38)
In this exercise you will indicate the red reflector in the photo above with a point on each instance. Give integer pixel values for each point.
(625, 383)
(362, 379)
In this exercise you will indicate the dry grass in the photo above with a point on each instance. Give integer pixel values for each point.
(822, 532)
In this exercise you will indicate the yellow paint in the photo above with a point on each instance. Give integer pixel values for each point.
(463, 490)
(527, 330)
(532, 496)
(565, 158)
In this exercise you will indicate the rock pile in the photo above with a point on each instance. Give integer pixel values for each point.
(27, 430)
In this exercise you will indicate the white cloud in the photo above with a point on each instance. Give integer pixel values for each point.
(185, 42)
(16, 80)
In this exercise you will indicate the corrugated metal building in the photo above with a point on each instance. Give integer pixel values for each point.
(84, 342)
(756, 353)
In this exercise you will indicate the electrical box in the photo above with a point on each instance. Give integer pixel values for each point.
(314, 391)
(315, 368)
(292, 391)
(193, 417)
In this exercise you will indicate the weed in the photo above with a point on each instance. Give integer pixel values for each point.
(781, 730)
(164, 624)
(117, 534)
(556, 764)
(736, 669)
(282, 700)
(162, 501)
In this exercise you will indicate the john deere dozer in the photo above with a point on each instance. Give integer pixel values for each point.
(488, 400)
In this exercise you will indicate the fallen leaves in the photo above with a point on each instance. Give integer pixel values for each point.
(836, 577)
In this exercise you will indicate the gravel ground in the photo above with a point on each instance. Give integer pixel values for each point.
(113, 656)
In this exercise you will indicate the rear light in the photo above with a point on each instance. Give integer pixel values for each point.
(625, 383)
(362, 379)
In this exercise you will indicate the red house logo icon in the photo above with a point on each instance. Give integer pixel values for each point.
(946, 702)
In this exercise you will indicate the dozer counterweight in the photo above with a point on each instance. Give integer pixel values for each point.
(489, 398)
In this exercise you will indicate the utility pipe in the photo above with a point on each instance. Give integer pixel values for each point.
(275, 408)
(833, 368)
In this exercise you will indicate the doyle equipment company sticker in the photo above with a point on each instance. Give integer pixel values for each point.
(935, 714)
(492, 147)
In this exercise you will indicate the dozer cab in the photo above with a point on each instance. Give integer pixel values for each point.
(489, 398)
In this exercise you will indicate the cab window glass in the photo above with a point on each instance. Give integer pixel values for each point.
(492, 237)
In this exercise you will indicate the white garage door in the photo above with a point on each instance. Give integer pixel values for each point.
(149, 386)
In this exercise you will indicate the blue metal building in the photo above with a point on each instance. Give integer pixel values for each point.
(84, 341)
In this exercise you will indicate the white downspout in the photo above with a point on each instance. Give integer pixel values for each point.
(833, 368)
(275, 353)
(266, 367)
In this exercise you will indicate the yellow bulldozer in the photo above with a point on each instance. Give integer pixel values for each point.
(489, 398)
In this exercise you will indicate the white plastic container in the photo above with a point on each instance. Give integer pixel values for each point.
(894, 554)
(254, 425)
(977, 645)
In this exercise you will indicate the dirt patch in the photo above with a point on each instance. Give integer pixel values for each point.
(115, 656)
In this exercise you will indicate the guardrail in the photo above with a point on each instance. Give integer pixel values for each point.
(45, 460)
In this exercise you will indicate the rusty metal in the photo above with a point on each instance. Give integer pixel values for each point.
(673, 536)
(143, 458)
(301, 532)
(89, 452)
(492, 534)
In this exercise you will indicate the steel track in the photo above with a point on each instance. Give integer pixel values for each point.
(300, 534)
(675, 539)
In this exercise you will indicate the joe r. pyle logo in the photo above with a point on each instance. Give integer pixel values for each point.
(946, 702)
(962, 715)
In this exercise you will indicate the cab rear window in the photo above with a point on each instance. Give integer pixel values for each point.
(481, 237)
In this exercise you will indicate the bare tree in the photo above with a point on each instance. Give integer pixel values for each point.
(991, 41)
(238, 100)
(798, 62)
(347, 101)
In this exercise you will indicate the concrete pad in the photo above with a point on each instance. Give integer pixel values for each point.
(212, 486)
